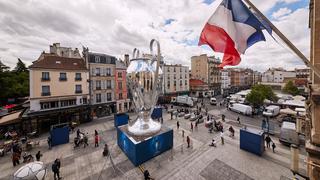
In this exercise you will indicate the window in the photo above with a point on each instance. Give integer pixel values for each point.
(109, 97)
(180, 82)
(186, 83)
(45, 105)
(168, 84)
(174, 83)
(70, 102)
(98, 85)
(98, 98)
(119, 74)
(63, 77)
(45, 91)
(119, 108)
(120, 85)
(174, 69)
(78, 89)
(97, 71)
(120, 95)
(108, 72)
(84, 100)
(108, 84)
(97, 59)
(174, 76)
(78, 77)
(168, 69)
(45, 76)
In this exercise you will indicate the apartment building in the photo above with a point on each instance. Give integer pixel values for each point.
(121, 91)
(102, 69)
(277, 75)
(175, 79)
(58, 91)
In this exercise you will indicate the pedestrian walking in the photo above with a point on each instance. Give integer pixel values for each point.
(196, 124)
(268, 140)
(38, 156)
(171, 115)
(222, 137)
(56, 169)
(15, 158)
(191, 127)
(95, 132)
(238, 119)
(182, 133)
(161, 120)
(178, 124)
(49, 141)
(96, 140)
(188, 141)
(273, 147)
(176, 115)
(223, 117)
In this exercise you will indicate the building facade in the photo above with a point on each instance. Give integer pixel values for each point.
(121, 91)
(312, 120)
(277, 75)
(102, 69)
(207, 69)
(175, 79)
(59, 91)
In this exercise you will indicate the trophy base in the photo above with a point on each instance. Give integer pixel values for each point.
(143, 128)
(140, 149)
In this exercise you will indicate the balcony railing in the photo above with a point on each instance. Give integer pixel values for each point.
(98, 88)
(97, 74)
(78, 91)
(45, 79)
(78, 79)
(108, 87)
(45, 94)
(62, 79)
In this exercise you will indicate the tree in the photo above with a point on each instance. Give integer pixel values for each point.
(290, 88)
(20, 67)
(259, 93)
(255, 98)
(3, 67)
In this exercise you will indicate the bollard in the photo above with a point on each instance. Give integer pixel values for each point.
(294, 158)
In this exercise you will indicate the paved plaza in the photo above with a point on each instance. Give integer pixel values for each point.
(200, 161)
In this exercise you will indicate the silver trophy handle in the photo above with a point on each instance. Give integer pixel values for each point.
(158, 56)
(135, 53)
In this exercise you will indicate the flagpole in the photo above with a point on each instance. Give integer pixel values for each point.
(286, 40)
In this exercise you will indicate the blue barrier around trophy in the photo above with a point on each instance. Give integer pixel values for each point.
(252, 140)
(59, 135)
(143, 150)
(120, 119)
(157, 113)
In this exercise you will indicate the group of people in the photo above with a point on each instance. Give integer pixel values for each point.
(269, 141)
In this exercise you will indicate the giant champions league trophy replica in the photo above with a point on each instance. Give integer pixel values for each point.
(144, 138)
(144, 83)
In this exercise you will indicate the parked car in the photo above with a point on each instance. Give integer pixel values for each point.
(193, 117)
(271, 111)
(241, 108)
(288, 134)
(181, 114)
(213, 101)
(187, 116)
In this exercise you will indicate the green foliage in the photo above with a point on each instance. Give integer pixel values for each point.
(20, 67)
(3, 67)
(290, 88)
(14, 84)
(259, 93)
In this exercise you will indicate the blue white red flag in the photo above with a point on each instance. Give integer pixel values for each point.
(231, 30)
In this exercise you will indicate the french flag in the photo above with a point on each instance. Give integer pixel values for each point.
(231, 30)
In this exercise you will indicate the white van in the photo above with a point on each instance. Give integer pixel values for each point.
(241, 108)
(271, 111)
(213, 101)
(288, 134)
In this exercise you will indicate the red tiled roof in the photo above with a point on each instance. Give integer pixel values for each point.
(196, 82)
(58, 62)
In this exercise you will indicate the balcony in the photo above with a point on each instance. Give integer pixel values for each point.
(78, 79)
(62, 79)
(45, 79)
(108, 87)
(97, 74)
(78, 91)
(45, 94)
(98, 88)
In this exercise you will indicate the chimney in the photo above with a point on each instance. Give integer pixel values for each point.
(126, 59)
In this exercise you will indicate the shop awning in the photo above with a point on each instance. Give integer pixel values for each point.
(10, 119)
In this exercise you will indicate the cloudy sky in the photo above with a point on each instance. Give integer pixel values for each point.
(115, 27)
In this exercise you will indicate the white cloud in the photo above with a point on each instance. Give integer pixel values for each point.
(116, 27)
(281, 12)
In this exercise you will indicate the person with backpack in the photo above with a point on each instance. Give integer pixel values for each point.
(38, 156)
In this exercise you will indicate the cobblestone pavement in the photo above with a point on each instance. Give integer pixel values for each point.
(196, 162)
